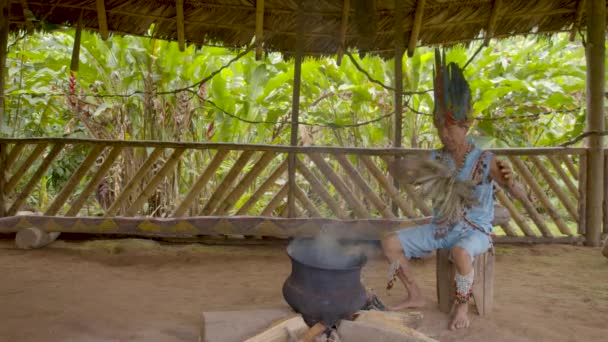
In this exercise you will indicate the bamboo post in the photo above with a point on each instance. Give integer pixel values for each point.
(317, 187)
(102, 19)
(596, 55)
(605, 203)
(4, 17)
(582, 188)
(259, 29)
(2, 177)
(508, 229)
(399, 49)
(268, 183)
(295, 115)
(343, 28)
(529, 178)
(418, 15)
(491, 27)
(179, 11)
(76, 49)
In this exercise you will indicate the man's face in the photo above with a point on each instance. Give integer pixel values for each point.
(452, 135)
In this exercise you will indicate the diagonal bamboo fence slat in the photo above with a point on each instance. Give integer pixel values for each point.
(151, 187)
(307, 203)
(564, 177)
(567, 202)
(268, 183)
(12, 182)
(521, 169)
(357, 206)
(388, 187)
(382, 207)
(226, 183)
(130, 187)
(46, 163)
(71, 184)
(95, 180)
(12, 155)
(318, 188)
(200, 183)
(570, 166)
(248, 179)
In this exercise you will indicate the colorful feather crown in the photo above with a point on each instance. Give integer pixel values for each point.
(452, 93)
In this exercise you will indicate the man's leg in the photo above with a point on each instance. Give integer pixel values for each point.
(391, 246)
(463, 252)
(464, 285)
(398, 248)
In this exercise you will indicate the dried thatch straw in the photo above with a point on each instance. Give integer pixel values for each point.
(370, 26)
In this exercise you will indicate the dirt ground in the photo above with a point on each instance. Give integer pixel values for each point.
(140, 290)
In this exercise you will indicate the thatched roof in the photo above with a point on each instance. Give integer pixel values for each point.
(368, 26)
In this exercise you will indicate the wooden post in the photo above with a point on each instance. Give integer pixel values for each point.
(259, 29)
(76, 49)
(2, 178)
(595, 52)
(295, 116)
(582, 190)
(102, 19)
(418, 15)
(605, 203)
(399, 49)
(4, 14)
(179, 11)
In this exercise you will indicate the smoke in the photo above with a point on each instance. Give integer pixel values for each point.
(332, 249)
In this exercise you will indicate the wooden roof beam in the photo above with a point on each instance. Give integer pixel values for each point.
(418, 14)
(343, 28)
(102, 19)
(580, 8)
(179, 9)
(259, 29)
(27, 14)
(491, 28)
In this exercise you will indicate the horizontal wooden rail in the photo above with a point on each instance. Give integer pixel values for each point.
(280, 148)
(155, 179)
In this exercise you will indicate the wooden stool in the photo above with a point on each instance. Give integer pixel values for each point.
(483, 285)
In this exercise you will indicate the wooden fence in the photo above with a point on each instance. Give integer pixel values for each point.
(77, 178)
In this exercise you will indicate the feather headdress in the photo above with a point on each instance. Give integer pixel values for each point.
(452, 93)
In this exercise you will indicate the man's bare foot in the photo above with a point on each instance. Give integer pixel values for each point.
(409, 303)
(460, 319)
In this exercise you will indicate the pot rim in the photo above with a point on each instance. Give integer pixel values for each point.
(359, 266)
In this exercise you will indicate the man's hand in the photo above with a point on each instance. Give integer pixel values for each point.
(502, 173)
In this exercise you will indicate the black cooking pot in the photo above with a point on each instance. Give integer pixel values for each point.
(324, 289)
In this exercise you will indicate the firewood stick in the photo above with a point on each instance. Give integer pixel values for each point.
(313, 332)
